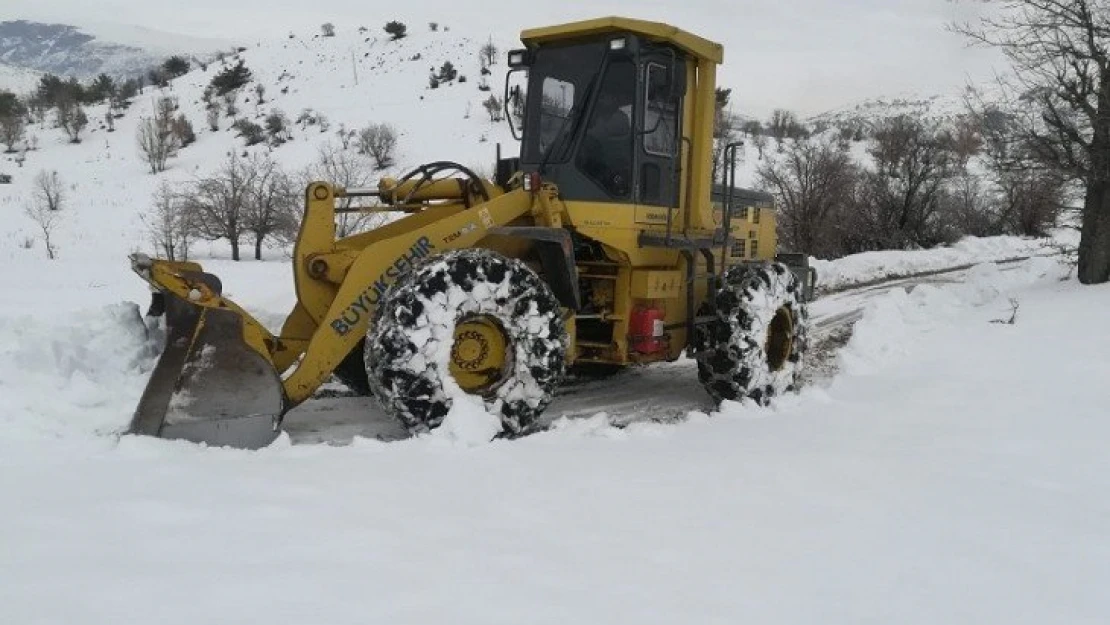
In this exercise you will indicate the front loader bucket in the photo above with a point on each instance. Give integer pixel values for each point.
(209, 386)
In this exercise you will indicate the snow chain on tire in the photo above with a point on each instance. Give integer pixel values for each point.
(409, 345)
(754, 347)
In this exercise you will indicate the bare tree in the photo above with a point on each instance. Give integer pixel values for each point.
(379, 142)
(230, 107)
(219, 202)
(1061, 65)
(345, 135)
(813, 183)
(49, 191)
(348, 170)
(45, 207)
(169, 225)
(901, 196)
(157, 139)
(271, 204)
(488, 53)
(214, 118)
(760, 143)
(46, 220)
(1029, 195)
(780, 122)
(327, 29)
(71, 117)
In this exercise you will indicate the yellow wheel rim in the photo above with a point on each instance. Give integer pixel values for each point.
(780, 339)
(479, 354)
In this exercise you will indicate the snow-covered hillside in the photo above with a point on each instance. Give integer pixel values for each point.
(353, 79)
(865, 113)
(18, 80)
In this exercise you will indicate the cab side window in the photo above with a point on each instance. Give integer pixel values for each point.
(660, 113)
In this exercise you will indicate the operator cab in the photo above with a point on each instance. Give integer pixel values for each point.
(602, 118)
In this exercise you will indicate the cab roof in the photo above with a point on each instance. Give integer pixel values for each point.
(652, 31)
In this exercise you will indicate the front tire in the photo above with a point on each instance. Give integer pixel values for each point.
(352, 371)
(469, 321)
(754, 348)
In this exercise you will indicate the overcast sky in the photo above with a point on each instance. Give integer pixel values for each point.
(808, 55)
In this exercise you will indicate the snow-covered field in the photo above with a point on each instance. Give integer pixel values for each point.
(952, 471)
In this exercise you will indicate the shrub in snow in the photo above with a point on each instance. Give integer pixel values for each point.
(379, 142)
(229, 104)
(395, 29)
(183, 130)
(251, 132)
(447, 72)
(231, 78)
(175, 66)
(71, 118)
(13, 117)
(493, 106)
(277, 126)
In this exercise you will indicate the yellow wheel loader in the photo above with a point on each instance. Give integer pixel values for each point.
(603, 243)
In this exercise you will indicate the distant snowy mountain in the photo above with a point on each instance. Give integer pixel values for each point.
(866, 113)
(85, 52)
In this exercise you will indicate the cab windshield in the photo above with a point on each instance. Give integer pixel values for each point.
(560, 78)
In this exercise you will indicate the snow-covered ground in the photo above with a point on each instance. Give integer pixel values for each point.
(954, 471)
(17, 79)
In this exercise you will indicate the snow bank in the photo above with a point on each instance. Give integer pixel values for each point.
(72, 377)
(873, 266)
(897, 321)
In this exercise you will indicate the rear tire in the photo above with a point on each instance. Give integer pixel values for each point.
(469, 321)
(755, 346)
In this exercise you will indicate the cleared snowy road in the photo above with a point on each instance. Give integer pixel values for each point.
(662, 392)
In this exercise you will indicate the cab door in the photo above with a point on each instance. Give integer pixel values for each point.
(659, 140)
